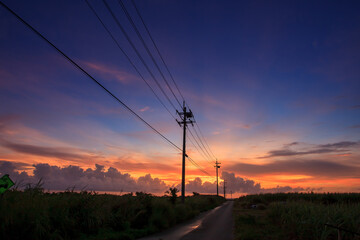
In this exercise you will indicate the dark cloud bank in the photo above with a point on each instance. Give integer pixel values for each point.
(315, 168)
(111, 179)
(339, 147)
(290, 160)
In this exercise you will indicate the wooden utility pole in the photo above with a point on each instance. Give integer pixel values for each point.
(217, 181)
(186, 118)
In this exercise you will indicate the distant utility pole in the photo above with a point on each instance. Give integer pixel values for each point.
(224, 189)
(231, 193)
(217, 181)
(186, 118)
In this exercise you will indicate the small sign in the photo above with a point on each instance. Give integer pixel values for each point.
(5, 183)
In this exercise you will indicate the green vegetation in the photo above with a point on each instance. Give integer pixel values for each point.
(33, 214)
(297, 216)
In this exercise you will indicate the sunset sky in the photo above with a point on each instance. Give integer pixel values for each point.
(274, 87)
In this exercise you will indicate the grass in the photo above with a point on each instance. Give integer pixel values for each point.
(33, 214)
(297, 216)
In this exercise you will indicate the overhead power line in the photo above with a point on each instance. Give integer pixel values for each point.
(127, 57)
(171, 76)
(200, 152)
(201, 141)
(99, 84)
(146, 48)
(202, 135)
(88, 75)
(122, 29)
(198, 166)
(201, 148)
(157, 49)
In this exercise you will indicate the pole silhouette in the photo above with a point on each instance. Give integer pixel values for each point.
(186, 118)
(217, 179)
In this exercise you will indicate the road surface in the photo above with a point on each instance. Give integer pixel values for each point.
(216, 224)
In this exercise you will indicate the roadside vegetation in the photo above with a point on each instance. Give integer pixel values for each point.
(34, 214)
(298, 216)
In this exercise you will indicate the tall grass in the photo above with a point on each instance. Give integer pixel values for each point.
(33, 214)
(297, 216)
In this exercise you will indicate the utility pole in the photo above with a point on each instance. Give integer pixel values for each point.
(224, 189)
(217, 181)
(231, 193)
(186, 118)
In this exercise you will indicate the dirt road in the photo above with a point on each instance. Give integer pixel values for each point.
(216, 224)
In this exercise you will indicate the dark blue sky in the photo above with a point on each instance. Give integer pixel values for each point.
(258, 76)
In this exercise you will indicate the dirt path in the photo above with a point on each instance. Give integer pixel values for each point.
(216, 224)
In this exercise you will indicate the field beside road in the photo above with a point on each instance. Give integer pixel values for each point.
(297, 216)
(33, 214)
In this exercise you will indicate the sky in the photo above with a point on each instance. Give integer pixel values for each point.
(273, 85)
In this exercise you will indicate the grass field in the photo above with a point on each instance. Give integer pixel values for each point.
(33, 214)
(297, 216)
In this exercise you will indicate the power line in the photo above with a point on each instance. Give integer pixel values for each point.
(202, 155)
(154, 61)
(127, 57)
(88, 75)
(198, 166)
(205, 141)
(97, 82)
(146, 48)
(207, 157)
(157, 66)
(157, 49)
(201, 134)
(98, 17)
(137, 52)
(161, 57)
(201, 142)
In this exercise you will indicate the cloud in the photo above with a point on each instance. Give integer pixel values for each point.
(238, 184)
(112, 180)
(144, 109)
(197, 185)
(344, 144)
(319, 168)
(143, 165)
(286, 152)
(60, 153)
(5, 119)
(241, 185)
(292, 144)
(319, 149)
(99, 179)
(120, 76)
(355, 126)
